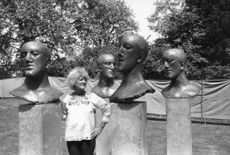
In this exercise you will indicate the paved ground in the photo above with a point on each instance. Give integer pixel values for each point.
(208, 139)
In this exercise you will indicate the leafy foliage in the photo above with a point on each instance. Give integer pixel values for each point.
(201, 28)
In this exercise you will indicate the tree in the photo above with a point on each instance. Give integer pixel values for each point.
(200, 28)
(66, 26)
(101, 22)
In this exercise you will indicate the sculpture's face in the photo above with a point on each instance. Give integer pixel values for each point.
(35, 58)
(106, 64)
(129, 54)
(172, 64)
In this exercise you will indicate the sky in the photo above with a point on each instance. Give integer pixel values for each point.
(142, 9)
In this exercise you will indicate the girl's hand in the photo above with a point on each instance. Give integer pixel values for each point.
(98, 130)
(64, 111)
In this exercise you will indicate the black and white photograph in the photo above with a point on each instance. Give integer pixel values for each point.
(114, 77)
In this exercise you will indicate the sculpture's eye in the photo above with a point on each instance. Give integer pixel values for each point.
(34, 53)
(23, 54)
(107, 63)
(127, 46)
(170, 61)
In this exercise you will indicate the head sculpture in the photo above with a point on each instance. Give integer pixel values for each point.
(106, 85)
(35, 56)
(36, 87)
(174, 60)
(180, 86)
(106, 63)
(132, 52)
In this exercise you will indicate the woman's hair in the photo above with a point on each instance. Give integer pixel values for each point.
(75, 74)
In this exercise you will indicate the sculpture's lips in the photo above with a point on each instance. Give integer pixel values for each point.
(110, 70)
(111, 73)
(28, 66)
(120, 60)
(168, 70)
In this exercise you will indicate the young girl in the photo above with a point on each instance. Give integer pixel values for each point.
(79, 110)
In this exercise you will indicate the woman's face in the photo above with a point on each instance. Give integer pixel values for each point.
(80, 83)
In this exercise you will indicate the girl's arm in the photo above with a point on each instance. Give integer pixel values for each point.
(64, 108)
(105, 108)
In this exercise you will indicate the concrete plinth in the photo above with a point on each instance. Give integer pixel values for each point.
(128, 134)
(40, 131)
(179, 133)
(104, 140)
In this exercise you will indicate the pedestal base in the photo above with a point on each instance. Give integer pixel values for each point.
(104, 140)
(129, 129)
(179, 133)
(40, 131)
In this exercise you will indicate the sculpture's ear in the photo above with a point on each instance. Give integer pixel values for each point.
(140, 58)
(182, 65)
(99, 67)
(48, 60)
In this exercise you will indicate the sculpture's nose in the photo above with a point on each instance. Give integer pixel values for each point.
(112, 65)
(166, 64)
(28, 57)
(120, 54)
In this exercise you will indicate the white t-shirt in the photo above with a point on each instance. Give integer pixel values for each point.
(80, 122)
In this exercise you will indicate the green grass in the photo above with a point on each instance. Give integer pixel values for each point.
(208, 139)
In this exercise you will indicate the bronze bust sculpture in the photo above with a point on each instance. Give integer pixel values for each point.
(105, 88)
(180, 86)
(36, 87)
(132, 54)
(106, 85)
(178, 95)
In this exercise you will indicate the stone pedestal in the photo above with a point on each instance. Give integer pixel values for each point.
(179, 133)
(103, 141)
(40, 131)
(128, 134)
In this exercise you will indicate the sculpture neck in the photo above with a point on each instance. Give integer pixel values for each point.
(38, 82)
(105, 82)
(179, 81)
(134, 76)
(181, 87)
(133, 86)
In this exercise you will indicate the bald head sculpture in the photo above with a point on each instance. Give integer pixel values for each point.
(36, 87)
(175, 53)
(35, 55)
(174, 60)
(105, 63)
(180, 86)
(132, 53)
(106, 85)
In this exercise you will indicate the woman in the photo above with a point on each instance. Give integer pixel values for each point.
(79, 110)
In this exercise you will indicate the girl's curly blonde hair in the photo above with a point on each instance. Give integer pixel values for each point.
(75, 74)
